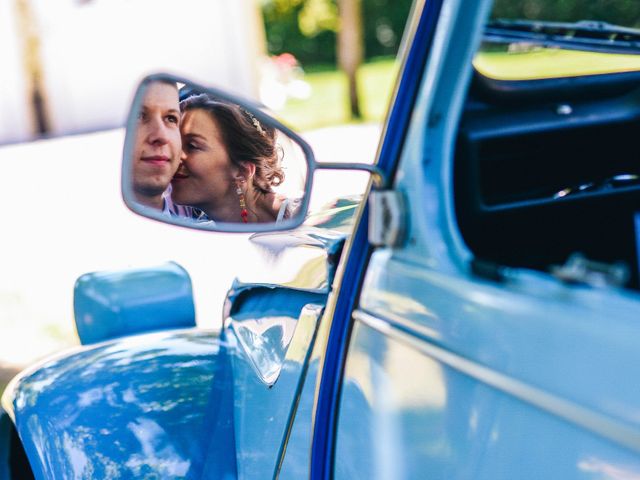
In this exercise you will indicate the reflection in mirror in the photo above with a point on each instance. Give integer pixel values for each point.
(200, 158)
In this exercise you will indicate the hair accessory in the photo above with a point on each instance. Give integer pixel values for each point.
(244, 214)
(255, 121)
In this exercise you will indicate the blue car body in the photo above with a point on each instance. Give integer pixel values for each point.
(411, 360)
(181, 402)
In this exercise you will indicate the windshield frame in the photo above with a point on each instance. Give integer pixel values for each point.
(580, 36)
(585, 35)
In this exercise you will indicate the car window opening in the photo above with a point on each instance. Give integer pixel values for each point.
(548, 179)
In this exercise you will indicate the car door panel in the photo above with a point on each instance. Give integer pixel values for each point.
(533, 328)
(520, 374)
(406, 413)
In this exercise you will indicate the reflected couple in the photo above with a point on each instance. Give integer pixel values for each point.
(206, 159)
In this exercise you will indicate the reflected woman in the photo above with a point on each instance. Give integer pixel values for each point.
(230, 164)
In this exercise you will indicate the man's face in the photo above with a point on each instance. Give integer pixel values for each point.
(158, 144)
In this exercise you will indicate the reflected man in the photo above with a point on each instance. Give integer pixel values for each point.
(158, 146)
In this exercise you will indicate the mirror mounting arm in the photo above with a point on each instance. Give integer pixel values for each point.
(380, 180)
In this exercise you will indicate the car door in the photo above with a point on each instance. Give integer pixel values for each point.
(472, 351)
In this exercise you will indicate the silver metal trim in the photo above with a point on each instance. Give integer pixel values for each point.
(603, 425)
(387, 214)
(379, 178)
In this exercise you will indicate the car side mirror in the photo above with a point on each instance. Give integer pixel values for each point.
(202, 158)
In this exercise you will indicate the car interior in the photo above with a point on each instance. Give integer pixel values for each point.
(549, 169)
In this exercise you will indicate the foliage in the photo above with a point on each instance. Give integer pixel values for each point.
(317, 16)
(384, 23)
(307, 28)
(619, 12)
(284, 34)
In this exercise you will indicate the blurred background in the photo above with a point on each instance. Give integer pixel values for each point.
(327, 68)
(71, 66)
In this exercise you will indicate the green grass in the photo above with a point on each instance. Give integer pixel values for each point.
(552, 63)
(328, 103)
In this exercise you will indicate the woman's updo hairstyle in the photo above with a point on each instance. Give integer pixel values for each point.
(246, 138)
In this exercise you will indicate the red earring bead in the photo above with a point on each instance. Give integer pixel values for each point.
(244, 214)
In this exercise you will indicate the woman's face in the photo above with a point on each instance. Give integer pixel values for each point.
(206, 175)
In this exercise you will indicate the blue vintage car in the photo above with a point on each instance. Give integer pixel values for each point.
(475, 317)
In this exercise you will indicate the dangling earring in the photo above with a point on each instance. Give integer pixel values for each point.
(244, 214)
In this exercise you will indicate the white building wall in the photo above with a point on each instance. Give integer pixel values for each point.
(94, 53)
(15, 122)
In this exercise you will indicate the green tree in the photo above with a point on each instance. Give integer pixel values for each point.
(305, 28)
(350, 48)
(308, 28)
(619, 12)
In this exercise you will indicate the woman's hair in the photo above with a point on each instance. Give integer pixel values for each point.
(246, 139)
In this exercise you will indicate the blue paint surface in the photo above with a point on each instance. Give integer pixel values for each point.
(125, 302)
(403, 413)
(142, 406)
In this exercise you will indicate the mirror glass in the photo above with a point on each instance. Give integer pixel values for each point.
(202, 158)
